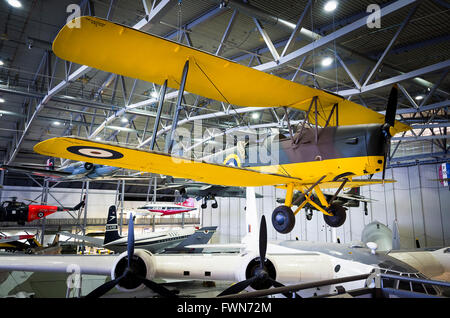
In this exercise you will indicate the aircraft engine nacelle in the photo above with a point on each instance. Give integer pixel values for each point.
(89, 167)
(143, 265)
(299, 268)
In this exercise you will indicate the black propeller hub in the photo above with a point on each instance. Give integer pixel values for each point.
(130, 280)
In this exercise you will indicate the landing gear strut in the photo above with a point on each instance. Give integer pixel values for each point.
(283, 219)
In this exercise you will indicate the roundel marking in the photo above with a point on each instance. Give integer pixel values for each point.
(232, 160)
(95, 152)
(40, 214)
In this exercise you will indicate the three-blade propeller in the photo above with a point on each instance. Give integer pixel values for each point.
(260, 275)
(389, 122)
(130, 273)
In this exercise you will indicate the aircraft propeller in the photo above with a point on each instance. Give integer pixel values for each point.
(389, 122)
(261, 276)
(130, 273)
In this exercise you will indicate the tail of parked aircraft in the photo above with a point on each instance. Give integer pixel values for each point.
(111, 232)
(201, 236)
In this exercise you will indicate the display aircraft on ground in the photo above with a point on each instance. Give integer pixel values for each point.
(13, 243)
(77, 171)
(349, 199)
(173, 241)
(342, 140)
(14, 211)
(286, 262)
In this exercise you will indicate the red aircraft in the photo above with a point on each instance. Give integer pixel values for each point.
(14, 211)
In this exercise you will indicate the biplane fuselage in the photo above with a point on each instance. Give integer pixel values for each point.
(342, 151)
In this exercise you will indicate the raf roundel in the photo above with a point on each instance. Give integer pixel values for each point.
(95, 152)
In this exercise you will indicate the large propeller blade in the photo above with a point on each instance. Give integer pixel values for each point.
(389, 121)
(129, 273)
(260, 275)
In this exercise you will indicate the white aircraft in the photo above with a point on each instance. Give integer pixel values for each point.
(156, 242)
(287, 262)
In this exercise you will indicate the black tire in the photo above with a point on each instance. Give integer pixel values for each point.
(203, 206)
(309, 216)
(283, 219)
(214, 205)
(339, 215)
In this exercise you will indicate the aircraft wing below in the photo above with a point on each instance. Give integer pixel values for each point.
(156, 162)
(349, 197)
(356, 183)
(87, 239)
(99, 43)
(38, 171)
(86, 264)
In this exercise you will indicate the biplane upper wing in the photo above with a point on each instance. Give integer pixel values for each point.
(122, 50)
(76, 148)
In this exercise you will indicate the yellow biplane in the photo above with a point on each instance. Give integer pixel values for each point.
(344, 140)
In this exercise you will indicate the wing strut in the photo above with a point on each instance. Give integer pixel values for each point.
(178, 106)
(162, 94)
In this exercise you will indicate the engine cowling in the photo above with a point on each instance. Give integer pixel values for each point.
(143, 265)
(89, 166)
(250, 266)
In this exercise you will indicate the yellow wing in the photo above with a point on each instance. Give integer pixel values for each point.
(75, 148)
(122, 50)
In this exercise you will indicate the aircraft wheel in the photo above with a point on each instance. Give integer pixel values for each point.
(283, 219)
(214, 205)
(338, 217)
(309, 216)
(203, 206)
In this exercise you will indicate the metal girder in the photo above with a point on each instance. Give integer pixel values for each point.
(417, 138)
(267, 39)
(396, 79)
(297, 27)
(399, 4)
(391, 43)
(74, 76)
(227, 32)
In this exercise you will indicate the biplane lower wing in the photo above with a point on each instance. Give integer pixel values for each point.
(75, 148)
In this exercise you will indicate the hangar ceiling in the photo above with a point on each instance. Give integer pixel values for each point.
(46, 97)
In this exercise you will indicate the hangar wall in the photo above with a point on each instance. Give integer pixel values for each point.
(420, 204)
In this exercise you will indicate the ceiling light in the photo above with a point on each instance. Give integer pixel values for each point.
(15, 3)
(1, 63)
(154, 94)
(255, 115)
(327, 61)
(56, 123)
(98, 138)
(419, 97)
(124, 120)
(2, 100)
(330, 6)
